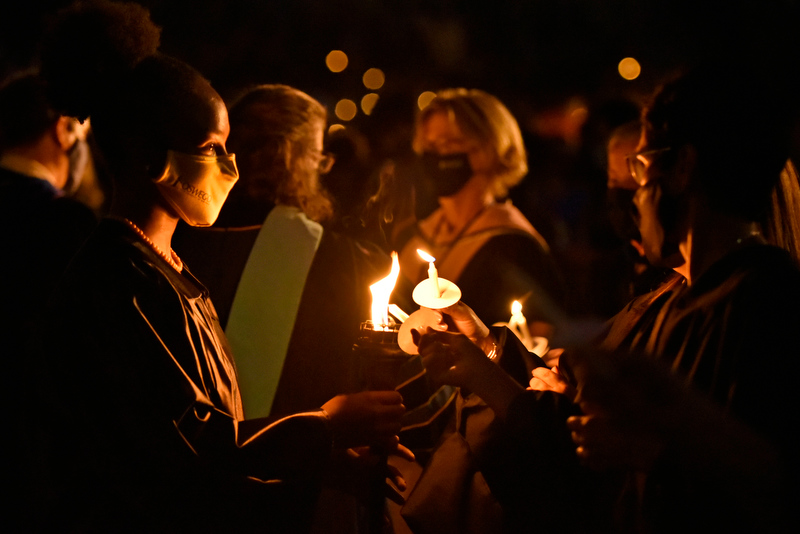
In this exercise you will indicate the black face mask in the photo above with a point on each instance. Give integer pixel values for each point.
(446, 175)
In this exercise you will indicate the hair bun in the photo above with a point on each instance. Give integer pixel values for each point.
(90, 48)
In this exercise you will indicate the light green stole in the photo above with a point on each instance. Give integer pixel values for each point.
(265, 306)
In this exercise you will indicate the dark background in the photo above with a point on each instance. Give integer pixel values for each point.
(543, 59)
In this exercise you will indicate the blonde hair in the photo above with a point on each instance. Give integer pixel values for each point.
(484, 118)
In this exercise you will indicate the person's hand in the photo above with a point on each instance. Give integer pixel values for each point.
(396, 482)
(451, 358)
(603, 443)
(455, 360)
(366, 418)
(545, 379)
(467, 322)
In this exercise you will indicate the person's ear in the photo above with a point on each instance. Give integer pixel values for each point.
(151, 159)
(65, 132)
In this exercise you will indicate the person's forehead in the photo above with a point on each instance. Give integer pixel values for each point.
(201, 118)
(440, 126)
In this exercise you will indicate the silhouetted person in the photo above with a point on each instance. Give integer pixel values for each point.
(41, 154)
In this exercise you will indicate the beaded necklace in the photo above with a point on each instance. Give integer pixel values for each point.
(174, 261)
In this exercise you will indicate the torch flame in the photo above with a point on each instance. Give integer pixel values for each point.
(425, 256)
(381, 291)
(516, 308)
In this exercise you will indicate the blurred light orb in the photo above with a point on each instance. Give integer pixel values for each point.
(368, 103)
(373, 79)
(425, 98)
(336, 60)
(335, 128)
(345, 109)
(629, 68)
(580, 113)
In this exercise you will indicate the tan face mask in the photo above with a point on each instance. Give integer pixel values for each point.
(197, 186)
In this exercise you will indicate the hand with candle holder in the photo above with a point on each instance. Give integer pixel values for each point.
(365, 418)
(466, 358)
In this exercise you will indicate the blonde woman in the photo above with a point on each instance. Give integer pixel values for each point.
(471, 154)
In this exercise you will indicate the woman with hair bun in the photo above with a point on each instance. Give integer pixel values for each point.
(148, 432)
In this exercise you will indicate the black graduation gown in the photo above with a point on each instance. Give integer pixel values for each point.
(146, 432)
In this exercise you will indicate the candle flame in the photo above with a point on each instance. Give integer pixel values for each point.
(516, 308)
(381, 291)
(425, 256)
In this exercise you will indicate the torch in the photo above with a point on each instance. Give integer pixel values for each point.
(380, 363)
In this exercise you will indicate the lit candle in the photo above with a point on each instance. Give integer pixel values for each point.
(519, 325)
(433, 274)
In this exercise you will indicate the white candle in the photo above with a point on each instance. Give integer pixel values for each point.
(520, 324)
(433, 274)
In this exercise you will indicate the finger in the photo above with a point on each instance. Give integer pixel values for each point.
(393, 495)
(403, 452)
(415, 336)
(537, 384)
(575, 422)
(388, 397)
(396, 477)
(432, 336)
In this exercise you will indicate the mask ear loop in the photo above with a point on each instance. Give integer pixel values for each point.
(165, 170)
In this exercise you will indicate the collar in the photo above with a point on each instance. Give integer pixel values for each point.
(28, 167)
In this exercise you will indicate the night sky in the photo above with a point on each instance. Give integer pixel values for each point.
(540, 51)
(536, 56)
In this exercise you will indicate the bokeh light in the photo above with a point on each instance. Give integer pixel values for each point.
(373, 79)
(345, 109)
(629, 68)
(335, 128)
(425, 98)
(336, 60)
(368, 102)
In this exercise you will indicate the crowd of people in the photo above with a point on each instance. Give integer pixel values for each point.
(138, 405)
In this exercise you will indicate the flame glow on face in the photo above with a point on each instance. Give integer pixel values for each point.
(381, 291)
(425, 256)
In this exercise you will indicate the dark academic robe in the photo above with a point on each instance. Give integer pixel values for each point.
(146, 429)
(40, 231)
(500, 476)
(320, 362)
(731, 336)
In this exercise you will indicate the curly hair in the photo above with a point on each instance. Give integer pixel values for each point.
(90, 47)
(101, 59)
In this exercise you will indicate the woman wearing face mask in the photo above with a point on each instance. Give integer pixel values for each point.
(472, 152)
(146, 428)
(290, 293)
